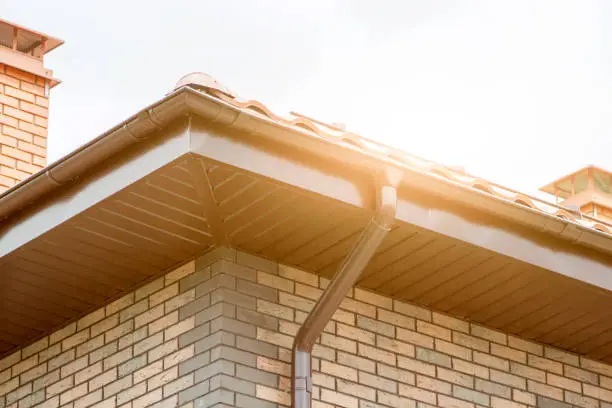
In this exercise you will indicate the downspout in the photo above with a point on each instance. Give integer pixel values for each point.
(344, 279)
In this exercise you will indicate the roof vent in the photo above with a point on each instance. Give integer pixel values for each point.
(200, 80)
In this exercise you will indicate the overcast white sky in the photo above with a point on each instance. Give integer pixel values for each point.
(518, 92)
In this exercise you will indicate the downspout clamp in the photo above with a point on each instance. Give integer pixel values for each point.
(344, 279)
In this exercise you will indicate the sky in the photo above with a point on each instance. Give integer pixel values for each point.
(518, 92)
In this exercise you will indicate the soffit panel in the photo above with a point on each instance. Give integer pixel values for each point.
(166, 218)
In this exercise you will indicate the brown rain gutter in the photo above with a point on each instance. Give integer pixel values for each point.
(186, 99)
(133, 130)
(344, 279)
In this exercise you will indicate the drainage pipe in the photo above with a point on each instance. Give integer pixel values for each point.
(344, 279)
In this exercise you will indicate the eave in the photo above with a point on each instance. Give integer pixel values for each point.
(156, 190)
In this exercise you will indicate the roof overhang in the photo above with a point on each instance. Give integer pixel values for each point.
(192, 172)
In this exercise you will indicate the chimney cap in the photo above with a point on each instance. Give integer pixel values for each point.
(27, 39)
(203, 80)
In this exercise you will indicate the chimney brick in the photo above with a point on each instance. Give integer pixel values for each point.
(24, 102)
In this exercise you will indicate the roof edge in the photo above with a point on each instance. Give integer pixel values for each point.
(187, 100)
(131, 131)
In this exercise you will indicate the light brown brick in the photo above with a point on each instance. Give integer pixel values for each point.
(356, 362)
(580, 400)
(24, 365)
(271, 394)
(73, 394)
(163, 294)
(75, 339)
(88, 373)
(488, 334)
(347, 345)
(117, 358)
(412, 310)
(509, 353)
(524, 397)
(492, 388)
(163, 322)
(586, 364)
(450, 402)
(339, 371)
(180, 272)
(104, 325)
(470, 341)
(295, 302)
(453, 349)
(451, 322)
(433, 357)
(74, 366)
(470, 368)
(60, 386)
(356, 390)
(503, 403)
(120, 304)
(585, 376)
(103, 379)
(149, 316)
(356, 334)
(361, 308)
(378, 382)
(275, 281)
(597, 392)
(545, 364)
(562, 382)
(396, 374)
(471, 395)
(147, 399)
(455, 377)
(339, 399)
(491, 361)
(417, 394)
(528, 372)
(518, 343)
(131, 393)
(395, 346)
(179, 356)
(415, 338)
(562, 356)
(373, 299)
(376, 354)
(432, 384)
(274, 366)
(394, 400)
(180, 300)
(396, 319)
(433, 330)
(299, 276)
(545, 390)
(131, 310)
(148, 371)
(416, 366)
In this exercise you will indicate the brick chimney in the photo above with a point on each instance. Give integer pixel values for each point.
(24, 102)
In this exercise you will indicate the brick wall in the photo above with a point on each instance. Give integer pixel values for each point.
(24, 111)
(217, 332)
